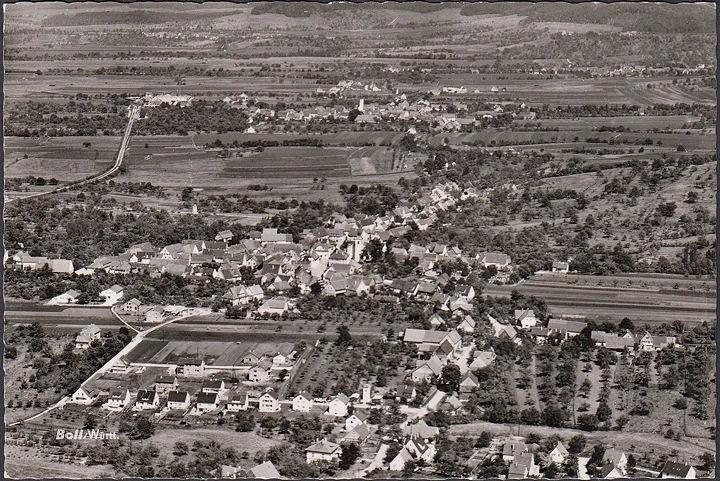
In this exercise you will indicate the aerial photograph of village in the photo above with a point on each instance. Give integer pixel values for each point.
(286, 240)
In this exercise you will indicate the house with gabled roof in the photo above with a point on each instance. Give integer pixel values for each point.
(400, 460)
(147, 399)
(322, 450)
(112, 294)
(559, 454)
(206, 402)
(338, 406)
(87, 335)
(238, 401)
(567, 328)
(426, 370)
(302, 402)
(526, 318)
(178, 400)
(165, 384)
(85, 395)
(675, 470)
(118, 399)
(268, 403)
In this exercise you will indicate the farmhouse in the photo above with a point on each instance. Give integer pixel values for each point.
(276, 305)
(497, 259)
(429, 341)
(131, 306)
(355, 419)
(323, 450)
(526, 318)
(566, 327)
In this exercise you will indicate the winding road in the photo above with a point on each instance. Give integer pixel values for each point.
(133, 112)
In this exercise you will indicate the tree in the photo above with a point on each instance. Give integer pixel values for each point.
(587, 422)
(350, 453)
(553, 416)
(667, 209)
(450, 378)
(585, 387)
(603, 412)
(344, 338)
(626, 324)
(530, 416)
(181, 449)
(551, 471)
(577, 443)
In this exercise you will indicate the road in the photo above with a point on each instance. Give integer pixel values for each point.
(132, 114)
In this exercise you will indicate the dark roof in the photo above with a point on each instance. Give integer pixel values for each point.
(676, 470)
(207, 398)
(177, 396)
(145, 396)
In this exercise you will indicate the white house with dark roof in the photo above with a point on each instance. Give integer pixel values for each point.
(118, 399)
(675, 470)
(206, 402)
(147, 400)
(238, 402)
(85, 396)
(178, 400)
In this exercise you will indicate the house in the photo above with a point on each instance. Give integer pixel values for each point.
(131, 306)
(302, 402)
(259, 374)
(87, 336)
(420, 448)
(405, 393)
(154, 315)
(190, 367)
(677, 471)
(85, 396)
(271, 236)
(435, 320)
(267, 403)
(559, 454)
(214, 386)
(497, 259)
(61, 266)
(357, 435)
(467, 325)
(224, 236)
(400, 460)
(482, 359)
(118, 399)
(355, 419)
(427, 369)
(165, 384)
(566, 327)
(434, 399)
(421, 430)
(468, 383)
(264, 470)
(238, 402)
(610, 471)
(617, 458)
(206, 402)
(429, 341)
(112, 294)
(513, 449)
(178, 400)
(276, 305)
(561, 267)
(237, 295)
(339, 405)
(146, 399)
(323, 450)
(523, 467)
(69, 297)
(526, 318)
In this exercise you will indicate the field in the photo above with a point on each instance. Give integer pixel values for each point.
(64, 158)
(217, 353)
(28, 462)
(645, 300)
